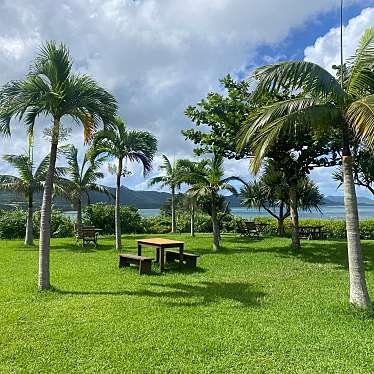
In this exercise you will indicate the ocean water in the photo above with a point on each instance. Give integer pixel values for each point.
(327, 212)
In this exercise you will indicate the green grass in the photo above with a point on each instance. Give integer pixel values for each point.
(253, 307)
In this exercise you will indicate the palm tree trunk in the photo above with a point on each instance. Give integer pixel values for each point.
(45, 218)
(358, 293)
(294, 216)
(280, 219)
(215, 224)
(117, 210)
(192, 219)
(29, 237)
(173, 223)
(79, 211)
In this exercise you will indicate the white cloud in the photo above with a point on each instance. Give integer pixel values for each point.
(326, 49)
(156, 56)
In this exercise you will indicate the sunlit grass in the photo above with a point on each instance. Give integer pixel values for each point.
(253, 307)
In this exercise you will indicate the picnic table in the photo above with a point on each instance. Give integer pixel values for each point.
(161, 244)
(311, 232)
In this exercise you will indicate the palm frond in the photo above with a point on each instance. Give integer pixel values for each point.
(290, 117)
(298, 75)
(360, 115)
(360, 66)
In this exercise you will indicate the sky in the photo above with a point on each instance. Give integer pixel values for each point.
(159, 56)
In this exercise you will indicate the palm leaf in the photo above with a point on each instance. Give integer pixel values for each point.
(298, 75)
(360, 115)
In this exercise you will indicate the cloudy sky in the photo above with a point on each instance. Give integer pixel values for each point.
(158, 56)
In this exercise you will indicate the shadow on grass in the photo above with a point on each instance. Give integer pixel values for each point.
(185, 295)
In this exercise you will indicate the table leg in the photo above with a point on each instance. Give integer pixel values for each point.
(181, 247)
(139, 249)
(157, 255)
(162, 259)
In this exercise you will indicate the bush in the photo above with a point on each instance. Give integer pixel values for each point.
(102, 216)
(61, 225)
(13, 224)
(158, 224)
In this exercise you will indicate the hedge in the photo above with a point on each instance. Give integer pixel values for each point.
(13, 223)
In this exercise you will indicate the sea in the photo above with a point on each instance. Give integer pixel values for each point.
(327, 212)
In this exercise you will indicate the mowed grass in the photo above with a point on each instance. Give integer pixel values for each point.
(253, 307)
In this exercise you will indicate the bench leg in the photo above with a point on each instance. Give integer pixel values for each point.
(145, 267)
(181, 248)
(123, 263)
(191, 262)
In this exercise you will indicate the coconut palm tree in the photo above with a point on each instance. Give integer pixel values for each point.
(207, 180)
(80, 179)
(123, 145)
(26, 183)
(29, 181)
(51, 89)
(172, 179)
(324, 105)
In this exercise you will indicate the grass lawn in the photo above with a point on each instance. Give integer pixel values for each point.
(253, 307)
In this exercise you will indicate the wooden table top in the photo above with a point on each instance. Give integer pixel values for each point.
(159, 241)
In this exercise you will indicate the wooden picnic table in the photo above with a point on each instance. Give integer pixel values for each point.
(161, 244)
(311, 232)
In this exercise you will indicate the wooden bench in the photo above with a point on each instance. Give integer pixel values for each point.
(145, 263)
(188, 258)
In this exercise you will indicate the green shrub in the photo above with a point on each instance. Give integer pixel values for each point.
(12, 224)
(102, 216)
(61, 225)
(157, 225)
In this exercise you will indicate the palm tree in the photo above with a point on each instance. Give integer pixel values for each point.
(207, 181)
(27, 183)
(51, 89)
(124, 145)
(171, 179)
(323, 106)
(81, 179)
(271, 193)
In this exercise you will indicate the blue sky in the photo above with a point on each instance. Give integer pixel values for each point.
(157, 57)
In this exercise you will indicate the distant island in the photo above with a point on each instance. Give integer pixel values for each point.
(141, 200)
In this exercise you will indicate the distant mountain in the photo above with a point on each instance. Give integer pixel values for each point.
(339, 200)
(141, 200)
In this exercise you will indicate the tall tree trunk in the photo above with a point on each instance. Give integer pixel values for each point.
(117, 206)
(192, 219)
(358, 293)
(29, 237)
(45, 217)
(173, 221)
(216, 234)
(79, 211)
(294, 215)
(280, 219)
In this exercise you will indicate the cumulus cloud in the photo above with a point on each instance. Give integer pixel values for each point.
(157, 57)
(326, 50)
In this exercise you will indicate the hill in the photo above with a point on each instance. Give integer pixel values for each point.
(141, 199)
